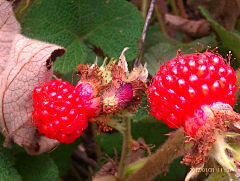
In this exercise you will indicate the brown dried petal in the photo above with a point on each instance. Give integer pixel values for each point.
(139, 73)
(122, 60)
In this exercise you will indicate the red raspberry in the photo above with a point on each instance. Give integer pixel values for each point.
(58, 111)
(186, 83)
(89, 98)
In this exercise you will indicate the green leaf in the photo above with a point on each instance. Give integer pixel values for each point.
(230, 39)
(36, 168)
(200, 44)
(149, 119)
(142, 111)
(162, 52)
(62, 154)
(108, 24)
(236, 31)
(7, 161)
(158, 55)
(152, 133)
(154, 36)
(218, 176)
(109, 143)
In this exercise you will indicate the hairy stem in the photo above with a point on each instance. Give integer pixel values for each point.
(162, 158)
(125, 148)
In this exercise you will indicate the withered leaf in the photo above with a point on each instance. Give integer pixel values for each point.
(193, 28)
(8, 28)
(24, 64)
(225, 12)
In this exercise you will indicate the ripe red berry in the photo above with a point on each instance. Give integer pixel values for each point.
(58, 111)
(184, 84)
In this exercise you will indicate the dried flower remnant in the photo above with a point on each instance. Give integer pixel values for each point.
(111, 88)
(127, 88)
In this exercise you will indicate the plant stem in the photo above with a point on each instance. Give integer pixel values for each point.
(174, 7)
(140, 47)
(125, 148)
(144, 8)
(162, 158)
(160, 21)
(182, 9)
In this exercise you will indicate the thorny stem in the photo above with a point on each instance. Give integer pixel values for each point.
(160, 160)
(144, 32)
(125, 148)
(160, 21)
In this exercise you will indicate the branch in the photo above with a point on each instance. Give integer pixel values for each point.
(162, 158)
(144, 32)
(125, 148)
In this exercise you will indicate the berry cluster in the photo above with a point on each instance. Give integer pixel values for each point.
(58, 111)
(186, 83)
(61, 111)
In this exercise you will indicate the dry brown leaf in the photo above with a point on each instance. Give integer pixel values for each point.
(24, 64)
(8, 28)
(225, 12)
(193, 28)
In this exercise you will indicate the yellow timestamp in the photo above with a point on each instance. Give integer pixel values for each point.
(210, 170)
